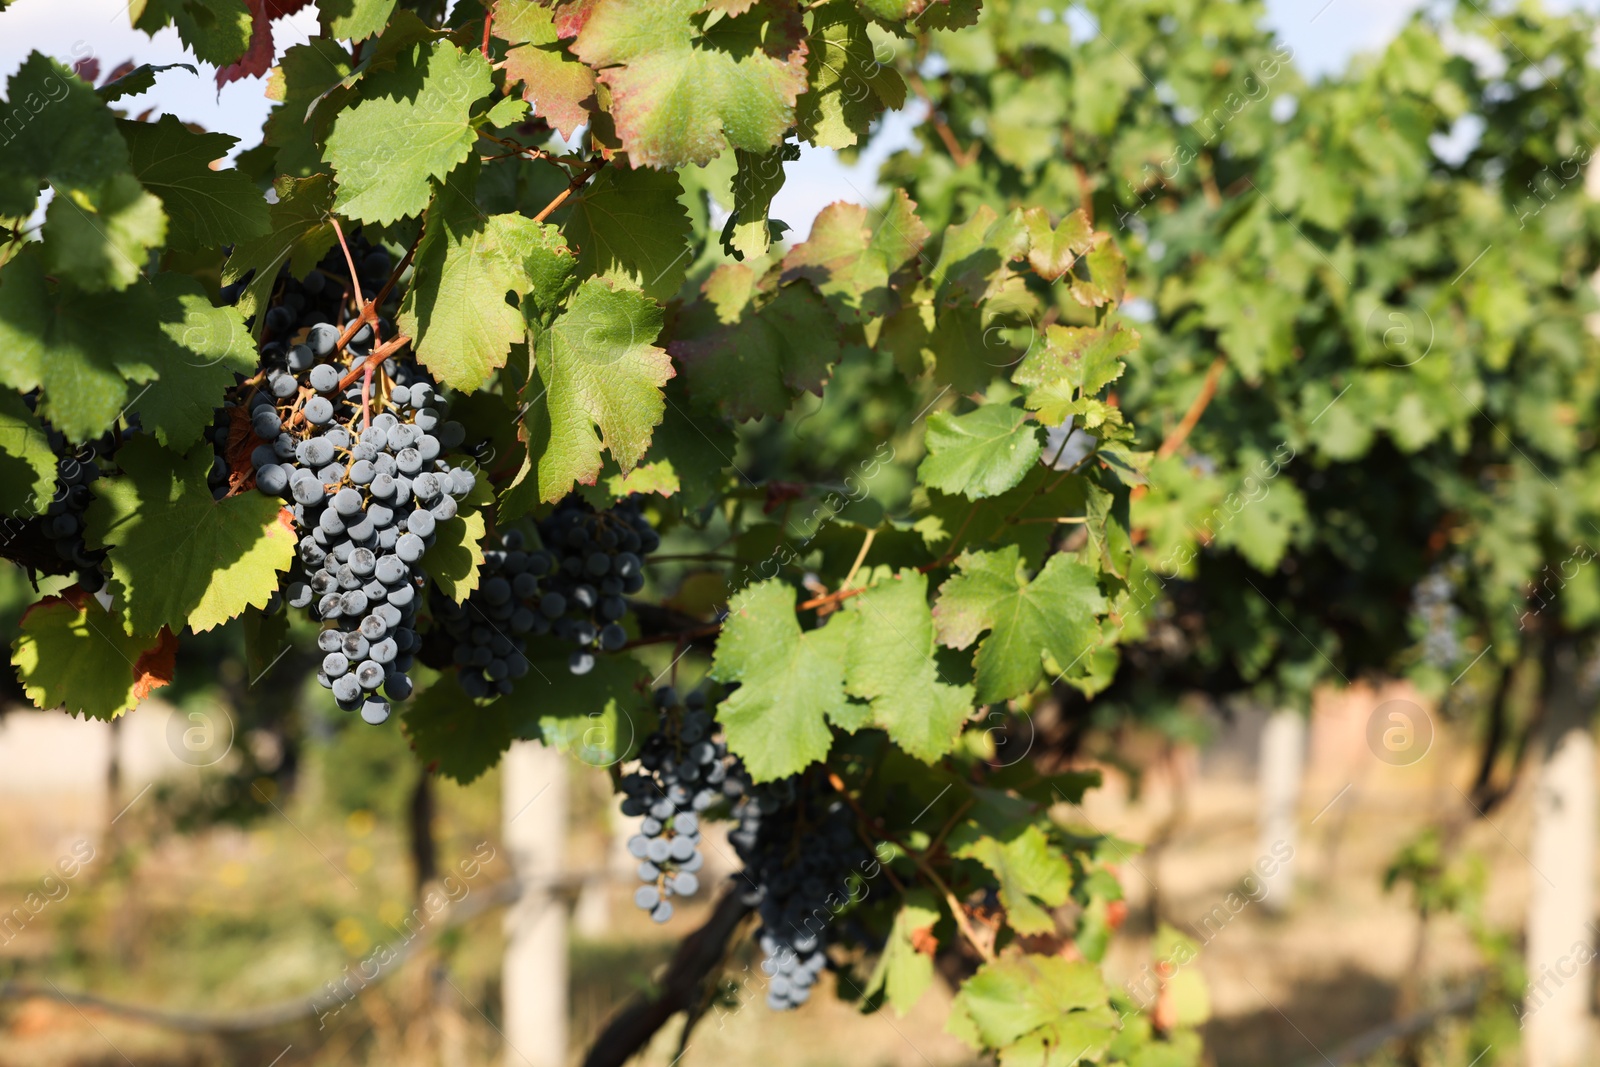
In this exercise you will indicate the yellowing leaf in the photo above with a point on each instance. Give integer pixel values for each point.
(680, 94)
(180, 557)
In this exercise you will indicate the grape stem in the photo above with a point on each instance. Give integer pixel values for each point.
(488, 20)
(349, 261)
(983, 946)
(572, 186)
(369, 308)
(379, 354)
(566, 163)
(366, 396)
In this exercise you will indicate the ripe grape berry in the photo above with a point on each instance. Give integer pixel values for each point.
(64, 517)
(682, 770)
(489, 630)
(597, 558)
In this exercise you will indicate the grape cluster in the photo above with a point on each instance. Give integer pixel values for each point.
(361, 464)
(597, 559)
(683, 769)
(798, 843)
(76, 472)
(489, 630)
(1433, 603)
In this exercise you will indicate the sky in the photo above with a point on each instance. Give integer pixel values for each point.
(1324, 34)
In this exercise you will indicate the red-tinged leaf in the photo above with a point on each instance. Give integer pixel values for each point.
(257, 59)
(155, 668)
(555, 83)
(681, 93)
(853, 257)
(571, 16)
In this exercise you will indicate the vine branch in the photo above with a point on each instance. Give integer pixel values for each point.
(1191, 417)
(697, 959)
(572, 186)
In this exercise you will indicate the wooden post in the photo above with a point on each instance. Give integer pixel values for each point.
(1556, 1016)
(1283, 754)
(534, 975)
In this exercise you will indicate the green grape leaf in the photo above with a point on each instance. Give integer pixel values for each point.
(72, 653)
(602, 376)
(555, 83)
(456, 308)
(1085, 358)
(457, 738)
(1053, 251)
(1074, 362)
(508, 111)
(754, 364)
(970, 349)
(58, 131)
(266, 638)
(974, 258)
(1029, 869)
(140, 79)
(947, 14)
(205, 208)
(68, 345)
(698, 447)
(1263, 526)
(890, 663)
(1038, 1011)
(849, 87)
(88, 351)
(180, 557)
(682, 94)
(208, 347)
(893, 10)
(599, 718)
(301, 234)
(629, 228)
(27, 463)
(1107, 276)
(455, 556)
(413, 125)
(310, 84)
(790, 683)
(982, 453)
(655, 477)
(607, 715)
(852, 264)
(218, 31)
(103, 241)
(757, 178)
(1055, 615)
(905, 969)
(355, 20)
